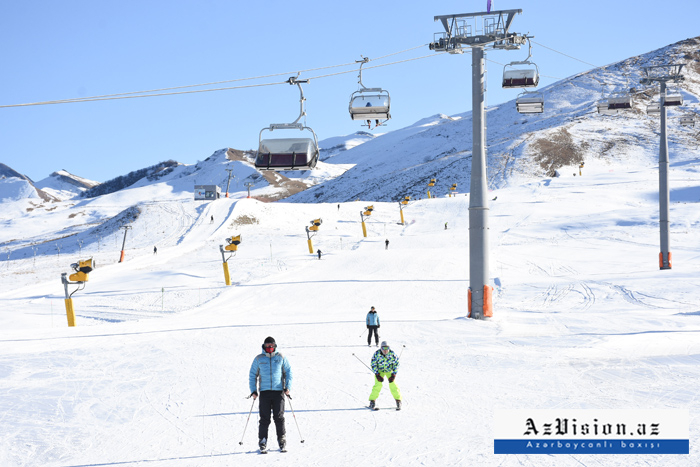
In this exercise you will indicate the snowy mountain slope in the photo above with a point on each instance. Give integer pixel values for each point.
(583, 319)
(401, 162)
(155, 372)
(64, 185)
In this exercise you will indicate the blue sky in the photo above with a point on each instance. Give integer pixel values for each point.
(71, 49)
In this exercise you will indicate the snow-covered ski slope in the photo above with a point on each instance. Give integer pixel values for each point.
(156, 371)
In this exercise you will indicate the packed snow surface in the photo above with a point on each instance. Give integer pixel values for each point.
(156, 370)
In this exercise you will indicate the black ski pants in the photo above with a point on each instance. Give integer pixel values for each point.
(271, 402)
(373, 329)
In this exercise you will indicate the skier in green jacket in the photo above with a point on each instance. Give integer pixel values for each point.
(385, 364)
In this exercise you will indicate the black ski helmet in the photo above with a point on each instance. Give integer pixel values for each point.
(269, 340)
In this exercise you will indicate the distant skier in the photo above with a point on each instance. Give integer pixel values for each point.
(212, 220)
(385, 364)
(386, 244)
(445, 225)
(274, 373)
(339, 207)
(373, 326)
(319, 254)
(155, 250)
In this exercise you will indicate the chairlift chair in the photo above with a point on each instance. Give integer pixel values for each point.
(281, 154)
(515, 77)
(688, 120)
(621, 100)
(521, 74)
(369, 104)
(673, 99)
(654, 108)
(604, 109)
(530, 102)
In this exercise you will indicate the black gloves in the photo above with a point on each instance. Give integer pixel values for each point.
(379, 377)
(368, 326)
(254, 394)
(392, 377)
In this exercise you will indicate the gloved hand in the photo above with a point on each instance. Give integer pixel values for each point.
(378, 326)
(286, 393)
(368, 326)
(392, 377)
(254, 395)
(379, 377)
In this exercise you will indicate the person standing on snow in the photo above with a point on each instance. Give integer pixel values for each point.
(386, 244)
(373, 326)
(274, 373)
(385, 364)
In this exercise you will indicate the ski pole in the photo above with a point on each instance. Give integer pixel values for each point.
(402, 347)
(295, 417)
(362, 363)
(246, 422)
(363, 332)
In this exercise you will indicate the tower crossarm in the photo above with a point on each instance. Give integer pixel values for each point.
(488, 28)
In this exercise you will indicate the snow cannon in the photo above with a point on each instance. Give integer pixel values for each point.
(82, 269)
(406, 200)
(432, 182)
(315, 224)
(233, 243)
(368, 210)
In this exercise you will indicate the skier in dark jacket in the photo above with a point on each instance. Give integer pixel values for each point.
(373, 326)
(385, 364)
(274, 373)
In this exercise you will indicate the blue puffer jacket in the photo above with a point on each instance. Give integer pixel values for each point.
(372, 318)
(273, 371)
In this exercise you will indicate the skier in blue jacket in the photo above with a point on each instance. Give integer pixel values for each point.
(274, 374)
(373, 326)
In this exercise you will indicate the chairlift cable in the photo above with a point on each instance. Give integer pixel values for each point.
(72, 101)
(569, 56)
(133, 94)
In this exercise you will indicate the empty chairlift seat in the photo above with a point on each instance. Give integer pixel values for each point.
(603, 108)
(673, 99)
(520, 77)
(287, 154)
(654, 108)
(530, 103)
(620, 101)
(370, 106)
(688, 120)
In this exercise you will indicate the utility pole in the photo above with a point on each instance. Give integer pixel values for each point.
(662, 74)
(126, 229)
(489, 29)
(229, 180)
(249, 184)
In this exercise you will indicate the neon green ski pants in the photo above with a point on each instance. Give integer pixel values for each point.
(376, 389)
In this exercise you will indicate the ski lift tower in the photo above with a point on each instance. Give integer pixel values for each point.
(478, 31)
(663, 74)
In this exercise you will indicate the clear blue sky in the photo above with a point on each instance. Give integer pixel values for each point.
(78, 48)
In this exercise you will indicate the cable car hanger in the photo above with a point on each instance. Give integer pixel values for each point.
(288, 153)
(522, 78)
(369, 103)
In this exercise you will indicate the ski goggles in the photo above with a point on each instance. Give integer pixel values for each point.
(269, 347)
(385, 349)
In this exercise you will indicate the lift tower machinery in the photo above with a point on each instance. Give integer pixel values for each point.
(478, 31)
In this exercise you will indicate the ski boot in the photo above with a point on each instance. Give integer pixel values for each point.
(262, 444)
(398, 404)
(282, 441)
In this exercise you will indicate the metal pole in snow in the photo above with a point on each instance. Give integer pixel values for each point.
(664, 195)
(478, 203)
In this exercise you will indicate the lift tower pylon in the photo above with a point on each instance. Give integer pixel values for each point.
(662, 74)
(478, 31)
